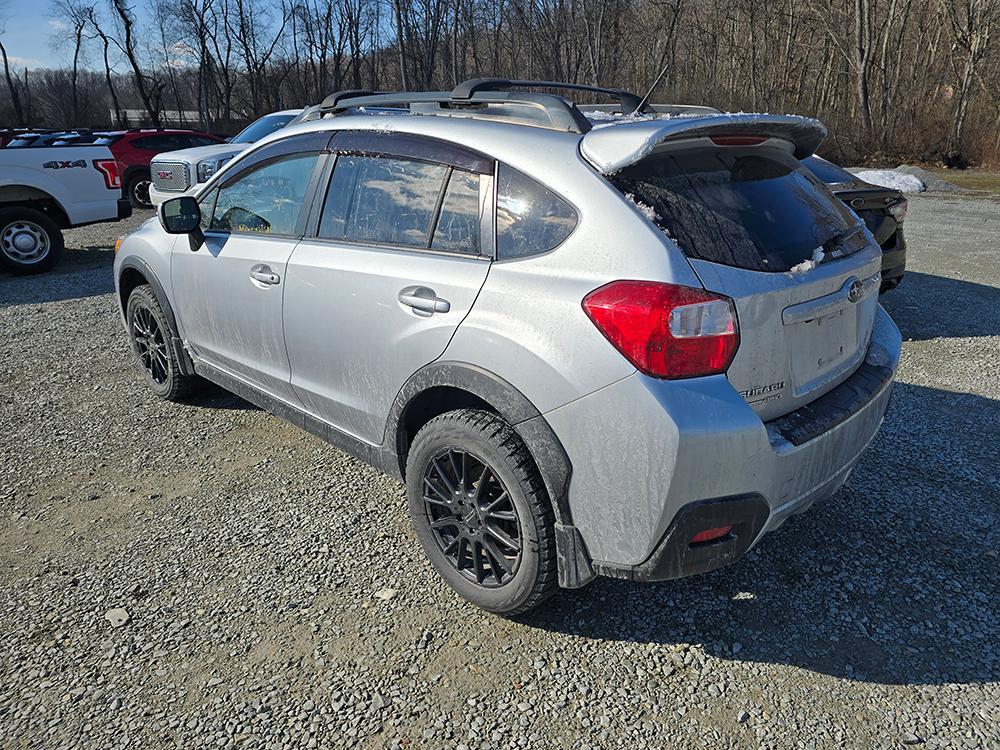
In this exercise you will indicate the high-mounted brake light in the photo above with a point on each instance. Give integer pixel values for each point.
(109, 168)
(738, 140)
(666, 330)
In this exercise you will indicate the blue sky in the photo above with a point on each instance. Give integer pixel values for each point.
(30, 27)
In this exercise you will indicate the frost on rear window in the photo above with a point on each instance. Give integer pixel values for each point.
(753, 208)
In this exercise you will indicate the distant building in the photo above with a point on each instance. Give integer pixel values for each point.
(139, 118)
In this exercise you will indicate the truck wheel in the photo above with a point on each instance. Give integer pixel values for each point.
(30, 242)
(137, 190)
(150, 333)
(481, 513)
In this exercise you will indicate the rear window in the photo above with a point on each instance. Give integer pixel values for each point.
(754, 208)
(830, 173)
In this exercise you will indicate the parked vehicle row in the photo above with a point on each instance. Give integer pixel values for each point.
(629, 350)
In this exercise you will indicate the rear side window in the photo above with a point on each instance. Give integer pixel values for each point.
(267, 199)
(457, 227)
(382, 200)
(829, 173)
(531, 219)
(754, 208)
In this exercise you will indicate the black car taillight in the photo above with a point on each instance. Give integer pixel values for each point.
(898, 209)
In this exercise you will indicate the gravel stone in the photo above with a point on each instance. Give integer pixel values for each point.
(249, 552)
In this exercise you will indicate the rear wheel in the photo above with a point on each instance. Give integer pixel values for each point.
(481, 512)
(30, 242)
(151, 336)
(137, 190)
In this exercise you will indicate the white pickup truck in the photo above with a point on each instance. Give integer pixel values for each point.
(45, 190)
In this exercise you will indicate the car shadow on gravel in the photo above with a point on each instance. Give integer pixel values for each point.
(889, 581)
(211, 396)
(81, 272)
(926, 306)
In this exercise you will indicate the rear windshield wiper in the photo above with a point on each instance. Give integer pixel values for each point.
(833, 244)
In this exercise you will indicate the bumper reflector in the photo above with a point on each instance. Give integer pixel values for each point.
(711, 535)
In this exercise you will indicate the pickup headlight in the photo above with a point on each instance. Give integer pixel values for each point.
(209, 167)
(206, 169)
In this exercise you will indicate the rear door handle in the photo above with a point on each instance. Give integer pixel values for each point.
(264, 275)
(423, 300)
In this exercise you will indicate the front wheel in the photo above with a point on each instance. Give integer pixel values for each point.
(481, 512)
(30, 242)
(151, 334)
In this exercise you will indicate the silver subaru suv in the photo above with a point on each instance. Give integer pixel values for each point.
(608, 345)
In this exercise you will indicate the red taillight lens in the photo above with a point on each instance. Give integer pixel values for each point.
(738, 140)
(109, 168)
(665, 330)
(711, 535)
(898, 209)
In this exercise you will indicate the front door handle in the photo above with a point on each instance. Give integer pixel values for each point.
(423, 300)
(264, 275)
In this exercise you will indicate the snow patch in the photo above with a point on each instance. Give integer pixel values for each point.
(807, 265)
(647, 211)
(892, 178)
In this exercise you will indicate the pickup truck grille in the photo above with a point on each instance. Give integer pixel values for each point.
(170, 176)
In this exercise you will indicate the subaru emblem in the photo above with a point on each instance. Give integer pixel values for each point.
(856, 290)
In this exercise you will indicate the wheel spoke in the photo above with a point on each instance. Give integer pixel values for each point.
(494, 503)
(497, 558)
(503, 515)
(477, 560)
(481, 484)
(443, 523)
(502, 537)
(459, 478)
(441, 474)
(445, 500)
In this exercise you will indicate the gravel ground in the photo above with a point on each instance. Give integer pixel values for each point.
(206, 575)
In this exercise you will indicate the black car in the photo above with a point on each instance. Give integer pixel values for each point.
(882, 210)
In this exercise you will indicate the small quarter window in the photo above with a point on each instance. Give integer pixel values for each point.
(382, 200)
(531, 219)
(267, 199)
(457, 228)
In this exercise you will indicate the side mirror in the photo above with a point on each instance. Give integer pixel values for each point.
(180, 215)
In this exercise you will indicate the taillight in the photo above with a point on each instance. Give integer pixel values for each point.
(898, 209)
(666, 330)
(109, 168)
(738, 140)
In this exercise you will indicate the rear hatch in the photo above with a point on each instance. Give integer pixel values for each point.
(756, 226)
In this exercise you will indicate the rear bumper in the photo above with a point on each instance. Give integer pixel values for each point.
(650, 456)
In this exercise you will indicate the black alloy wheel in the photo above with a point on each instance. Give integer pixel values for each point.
(472, 517)
(150, 345)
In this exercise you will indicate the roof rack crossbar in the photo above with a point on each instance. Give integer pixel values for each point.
(467, 89)
(561, 113)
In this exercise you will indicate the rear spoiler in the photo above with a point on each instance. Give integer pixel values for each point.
(611, 148)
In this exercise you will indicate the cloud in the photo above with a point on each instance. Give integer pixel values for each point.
(56, 25)
(23, 62)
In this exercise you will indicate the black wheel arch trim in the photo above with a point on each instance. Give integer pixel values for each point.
(141, 267)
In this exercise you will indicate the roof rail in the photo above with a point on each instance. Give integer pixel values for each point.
(467, 89)
(546, 110)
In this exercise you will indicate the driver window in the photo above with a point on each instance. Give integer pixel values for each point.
(266, 200)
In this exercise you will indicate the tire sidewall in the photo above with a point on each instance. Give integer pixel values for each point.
(143, 297)
(14, 214)
(440, 436)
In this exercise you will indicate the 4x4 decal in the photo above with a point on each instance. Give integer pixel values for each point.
(65, 164)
